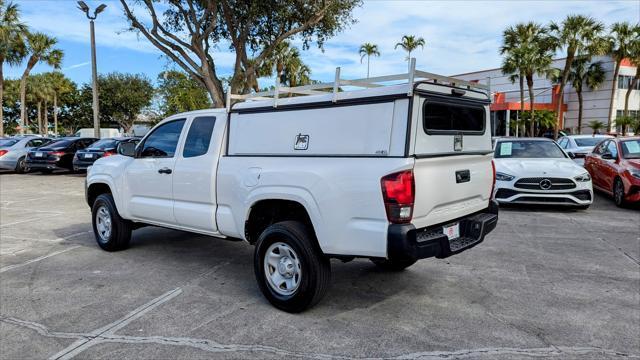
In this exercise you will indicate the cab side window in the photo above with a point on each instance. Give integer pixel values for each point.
(599, 149)
(199, 136)
(162, 142)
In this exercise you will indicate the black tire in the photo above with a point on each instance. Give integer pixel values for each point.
(120, 230)
(393, 265)
(618, 193)
(315, 268)
(21, 166)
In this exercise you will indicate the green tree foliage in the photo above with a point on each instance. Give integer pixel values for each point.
(582, 73)
(528, 51)
(186, 31)
(12, 46)
(620, 44)
(579, 36)
(409, 43)
(596, 126)
(40, 48)
(545, 120)
(179, 93)
(122, 98)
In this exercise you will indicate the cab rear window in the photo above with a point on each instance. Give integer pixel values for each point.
(453, 118)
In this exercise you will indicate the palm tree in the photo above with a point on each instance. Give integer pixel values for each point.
(410, 43)
(634, 56)
(624, 122)
(593, 75)
(528, 52)
(595, 125)
(368, 49)
(579, 35)
(40, 48)
(60, 85)
(619, 44)
(12, 49)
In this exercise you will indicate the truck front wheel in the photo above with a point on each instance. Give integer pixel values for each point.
(111, 231)
(291, 271)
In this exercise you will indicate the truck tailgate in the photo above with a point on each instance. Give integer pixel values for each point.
(450, 187)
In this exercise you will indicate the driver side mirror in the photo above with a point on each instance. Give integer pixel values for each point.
(571, 155)
(608, 156)
(127, 149)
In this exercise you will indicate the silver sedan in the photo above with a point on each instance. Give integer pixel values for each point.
(13, 151)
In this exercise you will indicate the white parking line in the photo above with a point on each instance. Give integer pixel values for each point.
(11, 267)
(24, 221)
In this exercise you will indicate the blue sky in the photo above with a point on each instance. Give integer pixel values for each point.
(461, 36)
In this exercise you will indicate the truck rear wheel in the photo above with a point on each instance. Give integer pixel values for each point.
(290, 269)
(111, 231)
(393, 265)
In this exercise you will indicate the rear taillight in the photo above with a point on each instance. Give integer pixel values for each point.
(398, 192)
(108, 153)
(57, 153)
(2, 152)
(493, 183)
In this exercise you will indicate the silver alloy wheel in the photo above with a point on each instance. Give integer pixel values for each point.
(282, 268)
(103, 223)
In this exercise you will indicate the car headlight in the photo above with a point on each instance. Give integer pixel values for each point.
(583, 177)
(635, 173)
(504, 177)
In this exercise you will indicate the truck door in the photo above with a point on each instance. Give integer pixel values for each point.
(151, 172)
(194, 178)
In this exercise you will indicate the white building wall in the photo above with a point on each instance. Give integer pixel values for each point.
(595, 101)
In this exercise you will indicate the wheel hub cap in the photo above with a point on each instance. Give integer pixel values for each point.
(282, 268)
(103, 223)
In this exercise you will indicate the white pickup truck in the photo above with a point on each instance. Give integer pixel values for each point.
(391, 173)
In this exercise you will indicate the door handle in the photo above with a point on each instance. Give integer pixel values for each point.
(165, 171)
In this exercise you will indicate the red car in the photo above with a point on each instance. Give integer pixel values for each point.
(614, 166)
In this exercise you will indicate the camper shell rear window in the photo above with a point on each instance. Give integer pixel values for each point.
(453, 117)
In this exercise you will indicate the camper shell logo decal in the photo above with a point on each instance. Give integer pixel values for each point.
(302, 142)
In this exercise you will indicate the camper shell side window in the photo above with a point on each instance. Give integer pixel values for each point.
(448, 117)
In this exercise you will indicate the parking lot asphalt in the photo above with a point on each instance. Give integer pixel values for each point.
(546, 283)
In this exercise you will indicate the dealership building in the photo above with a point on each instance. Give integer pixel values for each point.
(506, 96)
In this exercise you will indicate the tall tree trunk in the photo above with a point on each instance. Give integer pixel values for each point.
(1, 97)
(580, 102)
(368, 56)
(521, 78)
(45, 120)
(563, 83)
(23, 94)
(55, 114)
(614, 85)
(39, 117)
(531, 103)
(634, 83)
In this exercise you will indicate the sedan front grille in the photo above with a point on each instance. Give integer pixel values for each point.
(543, 183)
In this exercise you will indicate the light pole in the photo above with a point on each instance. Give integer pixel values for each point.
(94, 73)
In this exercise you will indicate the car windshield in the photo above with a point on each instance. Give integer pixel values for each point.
(631, 149)
(8, 142)
(528, 149)
(590, 141)
(60, 144)
(103, 144)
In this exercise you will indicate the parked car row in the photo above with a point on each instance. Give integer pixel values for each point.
(33, 153)
(541, 171)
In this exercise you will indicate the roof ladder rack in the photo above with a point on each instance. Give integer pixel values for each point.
(334, 87)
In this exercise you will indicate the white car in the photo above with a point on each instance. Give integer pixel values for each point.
(537, 171)
(578, 146)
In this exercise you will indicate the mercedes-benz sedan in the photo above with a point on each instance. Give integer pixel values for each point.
(537, 171)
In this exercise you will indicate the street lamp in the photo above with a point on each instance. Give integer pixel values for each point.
(94, 73)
